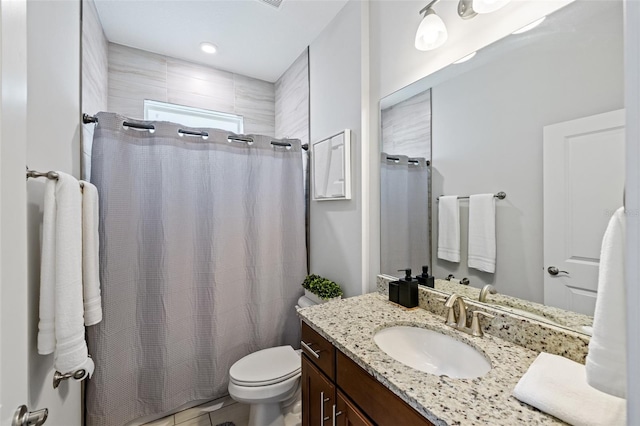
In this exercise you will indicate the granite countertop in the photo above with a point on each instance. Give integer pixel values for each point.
(350, 325)
(557, 316)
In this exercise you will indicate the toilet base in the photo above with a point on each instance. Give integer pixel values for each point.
(266, 415)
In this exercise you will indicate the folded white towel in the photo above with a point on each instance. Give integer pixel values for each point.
(61, 327)
(90, 255)
(558, 386)
(482, 232)
(449, 228)
(607, 360)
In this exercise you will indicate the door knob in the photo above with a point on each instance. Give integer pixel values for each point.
(24, 417)
(555, 271)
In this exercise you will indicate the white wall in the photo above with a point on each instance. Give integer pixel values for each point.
(335, 81)
(53, 112)
(487, 137)
(632, 104)
(14, 377)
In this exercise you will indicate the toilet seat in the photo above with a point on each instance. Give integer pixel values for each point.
(266, 367)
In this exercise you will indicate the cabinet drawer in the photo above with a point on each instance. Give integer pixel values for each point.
(319, 350)
(381, 405)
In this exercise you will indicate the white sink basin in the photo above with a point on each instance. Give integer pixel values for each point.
(432, 352)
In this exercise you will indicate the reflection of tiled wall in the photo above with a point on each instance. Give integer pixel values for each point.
(292, 101)
(94, 61)
(136, 75)
(406, 127)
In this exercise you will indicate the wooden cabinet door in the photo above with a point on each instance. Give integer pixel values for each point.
(318, 396)
(348, 414)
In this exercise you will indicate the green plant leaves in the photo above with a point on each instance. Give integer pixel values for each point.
(322, 287)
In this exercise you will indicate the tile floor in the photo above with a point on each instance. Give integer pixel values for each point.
(211, 413)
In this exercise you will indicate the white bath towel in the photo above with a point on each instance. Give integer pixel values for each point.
(90, 255)
(558, 386)
(449, 228)
(606, 360)
(482, 232)
(61, 327)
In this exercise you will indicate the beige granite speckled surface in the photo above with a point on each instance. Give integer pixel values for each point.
(350, 325)
(554, 315)
(523, 331)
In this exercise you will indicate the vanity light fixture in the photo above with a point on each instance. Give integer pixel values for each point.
(465, 58)
(207, 47)
(530, 26)
(432, 32)
(467, 9)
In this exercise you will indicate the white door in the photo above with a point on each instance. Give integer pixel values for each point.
(14, 377)
(583, 185)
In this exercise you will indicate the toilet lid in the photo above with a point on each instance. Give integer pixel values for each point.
(266, 367)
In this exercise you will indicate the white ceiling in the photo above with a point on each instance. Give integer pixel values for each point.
(253, 38)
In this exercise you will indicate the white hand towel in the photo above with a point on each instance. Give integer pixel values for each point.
(449, 228)
(90, 256)
(482, 232)
(607, 360)
(558, 386)
(46, 326)
(61, 307)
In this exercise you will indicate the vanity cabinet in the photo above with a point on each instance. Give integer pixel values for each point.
(337, 391)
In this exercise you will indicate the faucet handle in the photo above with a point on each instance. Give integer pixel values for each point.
(476, 330)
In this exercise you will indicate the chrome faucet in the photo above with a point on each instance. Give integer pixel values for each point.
(460, 323)
(486, 290)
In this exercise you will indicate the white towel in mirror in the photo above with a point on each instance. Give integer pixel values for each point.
(449, 228)
(482, 232)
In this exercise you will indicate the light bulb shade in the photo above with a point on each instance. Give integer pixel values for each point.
(432, 33)
(488, 6)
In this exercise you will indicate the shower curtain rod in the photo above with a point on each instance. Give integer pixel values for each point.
(86, 119)
(410, 160)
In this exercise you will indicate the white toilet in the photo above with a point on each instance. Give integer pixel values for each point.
(269, 381)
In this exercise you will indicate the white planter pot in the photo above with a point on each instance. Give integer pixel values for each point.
(317, 299)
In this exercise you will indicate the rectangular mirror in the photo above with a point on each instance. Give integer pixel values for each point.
(332, 167)
(487, 122)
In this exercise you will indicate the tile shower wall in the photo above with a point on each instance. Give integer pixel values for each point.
(136, 75)
(292, 101)
(406, 127)
(94, 61)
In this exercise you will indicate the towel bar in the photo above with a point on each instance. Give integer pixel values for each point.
(58, 377)
(500, 196)
(49, 175)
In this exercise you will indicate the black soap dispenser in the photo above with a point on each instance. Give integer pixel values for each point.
(408, 296)
(425, 278)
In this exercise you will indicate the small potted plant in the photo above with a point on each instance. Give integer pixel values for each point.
(320, 289)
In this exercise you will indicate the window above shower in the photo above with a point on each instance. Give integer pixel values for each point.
(192, 117)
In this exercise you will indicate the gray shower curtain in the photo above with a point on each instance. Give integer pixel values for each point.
(404, 214)
(202, 252)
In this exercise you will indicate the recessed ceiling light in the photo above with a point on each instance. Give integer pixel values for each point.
(530, 26)
(465, 58)
(207, 47)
